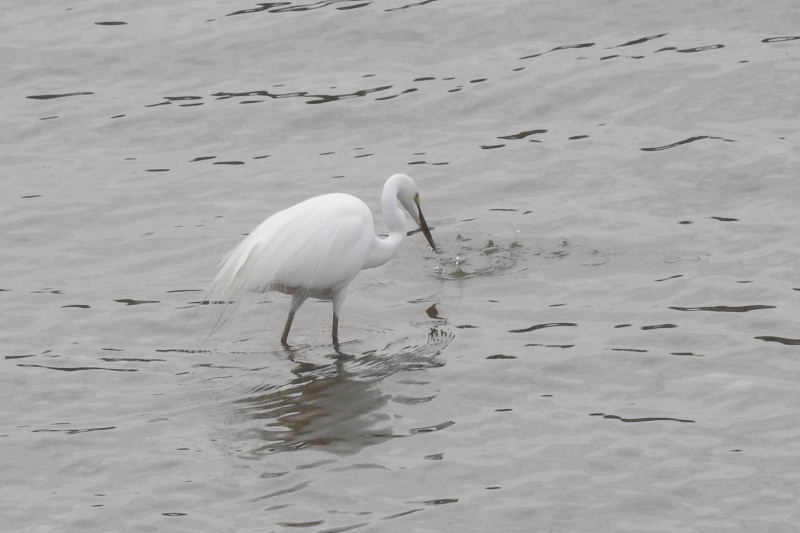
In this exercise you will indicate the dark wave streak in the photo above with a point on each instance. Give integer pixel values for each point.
(131, 301)
(542, 326)
(781, 340)
(129, 360)
(726, 308)
(670, 277)
(51, 96)
(76, 368)
(644, 419)
(312, 98)
(780, 39)
(264, 6)
(286, 7)
(700, 48)
(642, 40)
(659, 326)
(521, 135)
(413, 4)
(562, 47)
(73, 431)
(429, 429)
(684, 141)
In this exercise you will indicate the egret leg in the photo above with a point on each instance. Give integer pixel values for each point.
(297, 301)
(335, 329)
(337, 300)
(287, 327)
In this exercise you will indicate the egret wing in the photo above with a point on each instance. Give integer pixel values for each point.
(317, 246)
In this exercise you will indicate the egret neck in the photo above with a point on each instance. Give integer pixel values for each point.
(395, 220)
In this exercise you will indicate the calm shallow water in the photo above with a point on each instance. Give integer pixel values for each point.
(609, 336)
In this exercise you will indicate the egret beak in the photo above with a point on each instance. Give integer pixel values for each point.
(424, 226)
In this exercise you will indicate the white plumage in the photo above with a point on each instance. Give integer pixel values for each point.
(316, 248)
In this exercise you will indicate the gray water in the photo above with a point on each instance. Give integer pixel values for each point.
(608, 340)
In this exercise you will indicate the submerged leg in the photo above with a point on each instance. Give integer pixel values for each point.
(297, 301)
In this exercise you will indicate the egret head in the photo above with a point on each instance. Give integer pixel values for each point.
(408, 195)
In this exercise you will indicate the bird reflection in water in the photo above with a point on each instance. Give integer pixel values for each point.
(337, 405)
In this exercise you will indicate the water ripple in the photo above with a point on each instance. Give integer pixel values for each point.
(52, 96)
(434, 427)
(562, 47)
(131, 301)
(781, 340)
(700, 48)
(643, 419)
(77, 368)
(311, 98)
(726, 308)
(780, 39)
(659, 326)
(74, 431)
(542, 326)
(522, 134)
(412, 4)
(336, 405)
(641, 40)
(286, 7)
(684, 141)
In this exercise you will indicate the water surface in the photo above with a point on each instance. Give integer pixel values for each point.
(609, 335)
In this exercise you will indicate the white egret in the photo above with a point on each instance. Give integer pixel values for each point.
(316, 248)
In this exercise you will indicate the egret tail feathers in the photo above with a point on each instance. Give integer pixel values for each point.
(263, 261)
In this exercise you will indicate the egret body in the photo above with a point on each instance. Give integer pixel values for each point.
(316, 248)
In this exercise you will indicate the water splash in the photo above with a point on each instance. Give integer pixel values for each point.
(493, 258)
